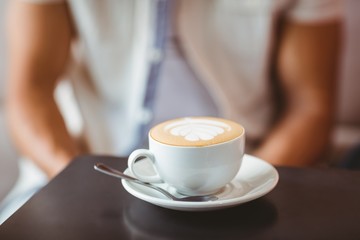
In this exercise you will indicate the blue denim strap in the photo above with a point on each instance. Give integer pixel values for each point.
(158, 47)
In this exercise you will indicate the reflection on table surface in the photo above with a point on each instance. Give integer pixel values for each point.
(146, 221)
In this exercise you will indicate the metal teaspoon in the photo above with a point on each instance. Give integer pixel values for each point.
(115, 173)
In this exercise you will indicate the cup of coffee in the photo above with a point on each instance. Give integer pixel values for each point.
(195, 155)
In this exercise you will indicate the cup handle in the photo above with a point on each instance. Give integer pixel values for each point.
(134, 156)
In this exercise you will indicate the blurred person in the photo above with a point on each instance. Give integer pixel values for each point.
(269, 65)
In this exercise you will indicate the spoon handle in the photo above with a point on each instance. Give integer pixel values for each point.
(115, 173)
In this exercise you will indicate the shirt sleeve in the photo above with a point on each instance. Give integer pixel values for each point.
(316, 10)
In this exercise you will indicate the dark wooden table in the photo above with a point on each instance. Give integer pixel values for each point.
(81, 203)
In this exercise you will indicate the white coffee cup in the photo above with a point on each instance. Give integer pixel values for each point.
(196, 156)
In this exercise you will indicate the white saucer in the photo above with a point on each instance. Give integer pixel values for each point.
(255, 179)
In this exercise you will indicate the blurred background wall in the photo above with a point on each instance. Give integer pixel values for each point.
(348, 127)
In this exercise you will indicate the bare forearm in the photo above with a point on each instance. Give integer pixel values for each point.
(307, 73)
(39, 38)
(39, 130)
(299, 139)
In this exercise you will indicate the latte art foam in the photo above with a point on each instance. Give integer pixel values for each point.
(196, 131)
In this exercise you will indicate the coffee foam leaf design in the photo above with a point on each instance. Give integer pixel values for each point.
(197, 129)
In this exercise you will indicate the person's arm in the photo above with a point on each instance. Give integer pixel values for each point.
(39, 39)
(306, 67)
